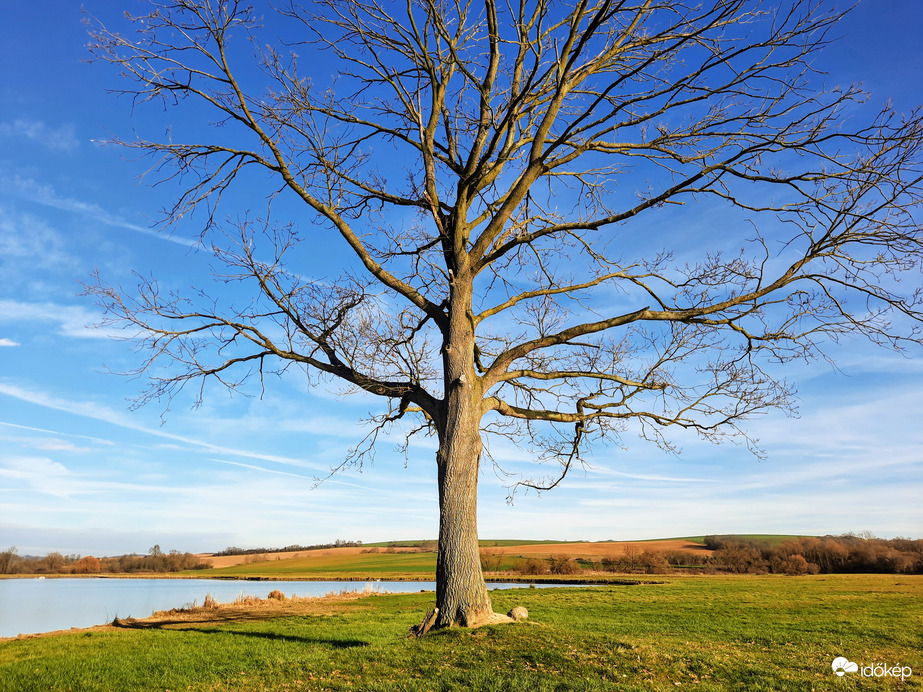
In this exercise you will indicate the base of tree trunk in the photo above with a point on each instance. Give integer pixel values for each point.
(472, 621)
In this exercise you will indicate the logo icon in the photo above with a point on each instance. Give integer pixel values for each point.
(842, 665)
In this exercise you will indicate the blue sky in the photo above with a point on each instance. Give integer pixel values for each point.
(81, 473)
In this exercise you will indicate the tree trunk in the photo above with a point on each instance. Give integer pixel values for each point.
(461, 594)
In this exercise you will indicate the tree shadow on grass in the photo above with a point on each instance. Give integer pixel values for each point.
(172, 626)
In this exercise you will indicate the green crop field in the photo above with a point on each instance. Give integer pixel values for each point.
(488, 543)
(708, 633)
(484, 543)
(348, 566)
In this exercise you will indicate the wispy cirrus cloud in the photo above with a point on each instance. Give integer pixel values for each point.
(262, 469)
(49, 477)
(41, 473)
(8, 342)
(60, 138)
(99, 412)
(72, 321)
(44, 194)
(27, 243)
(43, 444)
(33, 429)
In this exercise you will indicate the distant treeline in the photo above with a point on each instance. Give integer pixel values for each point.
(56, 563)
(735, 555)
(812, 555)
(231, 550)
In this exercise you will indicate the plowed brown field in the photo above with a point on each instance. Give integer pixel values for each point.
(530, 549)
(231, 560)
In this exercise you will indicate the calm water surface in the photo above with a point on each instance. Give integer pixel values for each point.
(29, 606)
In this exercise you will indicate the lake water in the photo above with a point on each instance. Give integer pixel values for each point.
(30, 606)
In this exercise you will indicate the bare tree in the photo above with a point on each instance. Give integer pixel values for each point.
(535, 142)
(8, 560)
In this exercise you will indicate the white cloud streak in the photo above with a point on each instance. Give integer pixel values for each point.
(56, 432)
(99, 412)
(73, 320)
(45, 195)
(47, 444)
(252, 467)
(61, 138)
(28, 243)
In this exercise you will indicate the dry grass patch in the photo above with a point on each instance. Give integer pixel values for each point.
(246, 609)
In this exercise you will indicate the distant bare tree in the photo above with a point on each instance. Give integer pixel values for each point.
(53, 562)
(492, 167)
(631, 557)
(8, 559)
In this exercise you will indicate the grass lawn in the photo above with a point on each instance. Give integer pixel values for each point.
(710, 633)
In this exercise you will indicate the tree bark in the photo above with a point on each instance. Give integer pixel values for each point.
(461, 594)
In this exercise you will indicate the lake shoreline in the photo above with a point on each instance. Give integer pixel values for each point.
(265, 607)
(35, 606)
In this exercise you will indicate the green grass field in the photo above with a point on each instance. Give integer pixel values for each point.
(359, 567)
(708, 633)
(484, 543)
